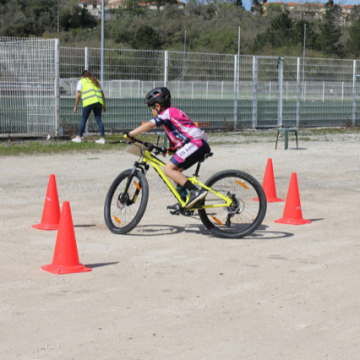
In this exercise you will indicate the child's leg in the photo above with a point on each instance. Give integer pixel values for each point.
(174, 173)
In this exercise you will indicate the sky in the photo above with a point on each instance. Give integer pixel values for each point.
(247, 3)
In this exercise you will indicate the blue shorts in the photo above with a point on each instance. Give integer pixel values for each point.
(190, 153)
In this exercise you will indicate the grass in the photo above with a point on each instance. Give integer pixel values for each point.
(115, 142)
(39, 147)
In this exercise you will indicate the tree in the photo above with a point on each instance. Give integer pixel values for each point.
(278, 35)
(219, 40)
(333, 13)
(147, 38)
(72, 17)
(238, 3)
(330, 32)
(35, 17)
(353, 43)
(297, 34)
(273, 10)
(257, 6)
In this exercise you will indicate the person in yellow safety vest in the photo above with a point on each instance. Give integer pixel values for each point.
(93, 100)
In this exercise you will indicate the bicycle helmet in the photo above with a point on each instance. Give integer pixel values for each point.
(160, 95)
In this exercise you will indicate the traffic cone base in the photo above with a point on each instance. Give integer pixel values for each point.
(45, 226)
(60, 269)
(66, 258)
(51, 213)
(269, 184)
(270, 199)
(292, 212)
(293, 221)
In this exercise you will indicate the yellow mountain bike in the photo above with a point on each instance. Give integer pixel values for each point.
(228, 211)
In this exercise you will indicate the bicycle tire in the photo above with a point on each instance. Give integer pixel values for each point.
(245, 214)
(121, 218)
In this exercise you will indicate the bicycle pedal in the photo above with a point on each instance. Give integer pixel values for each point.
(175, 209)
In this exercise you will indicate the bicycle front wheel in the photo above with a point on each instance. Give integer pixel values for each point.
(124, 210)
(244, 215)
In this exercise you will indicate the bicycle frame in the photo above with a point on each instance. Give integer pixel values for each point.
(158, 165)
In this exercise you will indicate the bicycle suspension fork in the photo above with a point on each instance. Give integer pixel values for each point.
(144, 168)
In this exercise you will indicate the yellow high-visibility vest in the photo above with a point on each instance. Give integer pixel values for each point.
(90, 94)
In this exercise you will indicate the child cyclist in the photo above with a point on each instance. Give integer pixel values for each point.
(186, 139)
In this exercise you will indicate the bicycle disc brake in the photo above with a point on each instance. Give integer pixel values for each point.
(124, 200)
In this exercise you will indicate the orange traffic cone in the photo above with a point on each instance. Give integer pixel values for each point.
(66, 258)
(269, 184)
(292, 212)
(51, 213)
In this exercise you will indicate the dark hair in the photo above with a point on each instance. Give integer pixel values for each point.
(91, 77)
(159, 95)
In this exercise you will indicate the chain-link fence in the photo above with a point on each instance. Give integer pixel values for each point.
(29, 101)
(219, 91)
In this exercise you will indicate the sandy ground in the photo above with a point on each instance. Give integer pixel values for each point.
(170, 290)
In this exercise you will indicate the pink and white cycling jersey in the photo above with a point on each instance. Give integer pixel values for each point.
(179, 128)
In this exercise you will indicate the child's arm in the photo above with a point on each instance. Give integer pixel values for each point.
(141, 129)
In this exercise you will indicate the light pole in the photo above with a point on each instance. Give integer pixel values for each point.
(303, 70)
(236, 89)
(58, 17)
(102, 42)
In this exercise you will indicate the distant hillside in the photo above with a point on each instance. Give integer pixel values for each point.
(210, 27)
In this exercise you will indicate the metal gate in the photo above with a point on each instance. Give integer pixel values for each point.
(29, 89)
(268, 80)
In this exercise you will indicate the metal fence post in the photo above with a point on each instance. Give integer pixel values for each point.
(280, 88)
(166, 63)
(298, 93)
(57, 90)
(87, 68)
(354, 95)
(86, 59)
(254, 95)
(236, 89)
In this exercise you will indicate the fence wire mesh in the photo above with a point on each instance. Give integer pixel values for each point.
(27, 86)
(220, 91)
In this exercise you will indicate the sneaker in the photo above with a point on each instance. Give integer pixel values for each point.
(100, 141)
(77, 139)
(194, 197)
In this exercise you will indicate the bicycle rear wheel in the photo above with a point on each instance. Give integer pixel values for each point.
(244, 215)
(123, 211)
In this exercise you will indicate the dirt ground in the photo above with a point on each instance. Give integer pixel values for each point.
(170, 290)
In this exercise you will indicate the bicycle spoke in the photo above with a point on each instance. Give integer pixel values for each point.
(242, 216)
(124, 210)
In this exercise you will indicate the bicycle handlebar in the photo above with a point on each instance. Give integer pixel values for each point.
(150, 146)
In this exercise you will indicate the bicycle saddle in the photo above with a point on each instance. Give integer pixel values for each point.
(205, 156)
